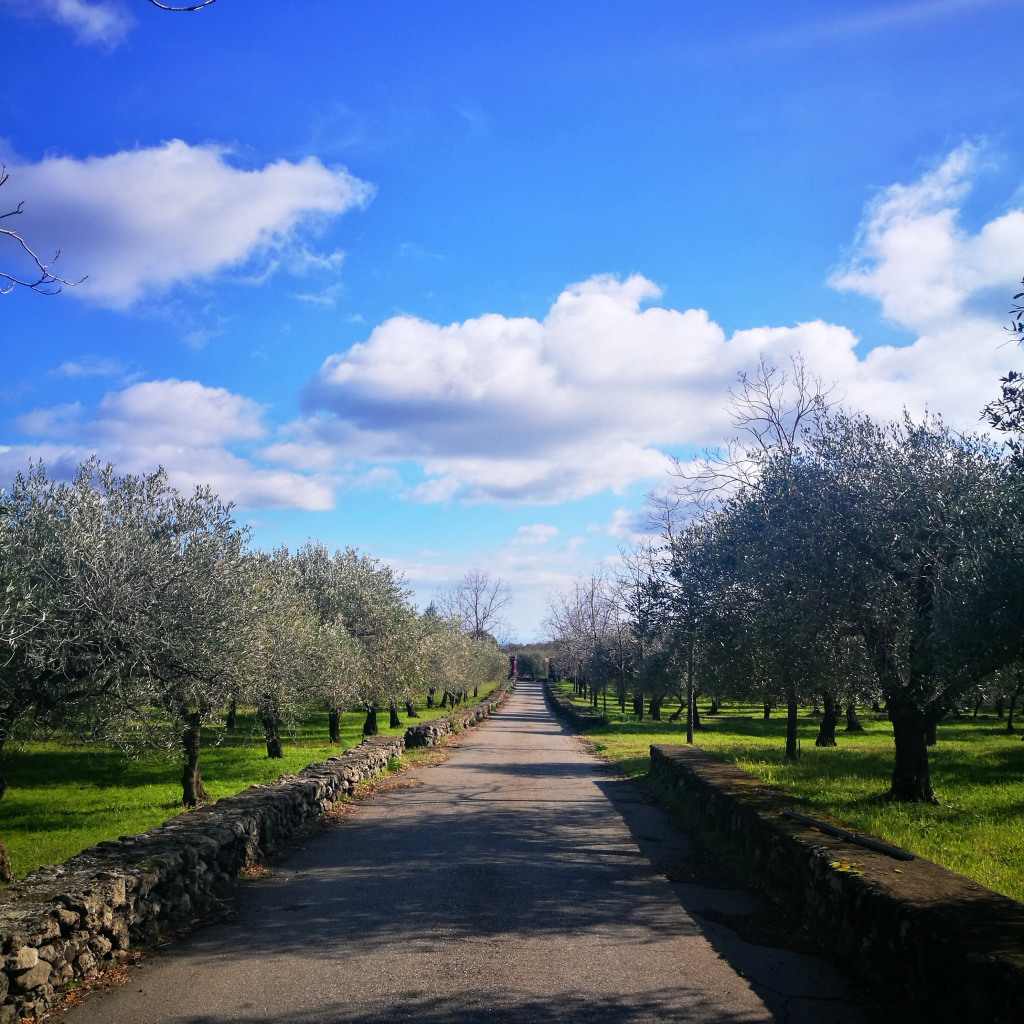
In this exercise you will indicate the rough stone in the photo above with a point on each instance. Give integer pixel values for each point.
(67, 919)
(38, 975)
(24, 959)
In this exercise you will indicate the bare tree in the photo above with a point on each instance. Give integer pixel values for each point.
(476, 601)
(773, 410)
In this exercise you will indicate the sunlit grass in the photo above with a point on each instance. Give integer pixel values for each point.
(977, 770)
(62, 797)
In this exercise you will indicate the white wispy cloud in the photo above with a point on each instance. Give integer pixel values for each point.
(186, 427)
(90, 366)
(94, 22)
(139, 221)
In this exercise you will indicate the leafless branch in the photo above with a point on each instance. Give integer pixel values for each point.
(47, 283)
(773, 409)
(194, 7)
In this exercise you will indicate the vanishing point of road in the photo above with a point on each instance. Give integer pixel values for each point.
(520, 882)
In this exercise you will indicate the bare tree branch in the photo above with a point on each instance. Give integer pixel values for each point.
(475, 601)
(47, 283)
(194, 7)
(774, 410)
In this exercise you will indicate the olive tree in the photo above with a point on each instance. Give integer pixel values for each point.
(368, 605)
(121, 611)
(912, 522)
(290, 650)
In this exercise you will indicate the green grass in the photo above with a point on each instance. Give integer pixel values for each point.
(63, 797)
(977, 771)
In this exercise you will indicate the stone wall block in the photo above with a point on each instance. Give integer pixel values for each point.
(943, 947)
(576, 716)
(36, 976)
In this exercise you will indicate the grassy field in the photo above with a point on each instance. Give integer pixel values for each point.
(977, 771)
(62, 798)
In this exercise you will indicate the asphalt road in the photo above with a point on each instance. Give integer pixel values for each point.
(518, 882)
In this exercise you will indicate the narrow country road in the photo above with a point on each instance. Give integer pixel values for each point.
(516, 882)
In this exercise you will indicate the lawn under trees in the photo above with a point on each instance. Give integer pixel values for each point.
(65, 795)
(976, 830)
(136, 616)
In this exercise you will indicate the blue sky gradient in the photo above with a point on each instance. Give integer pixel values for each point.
(449, 283)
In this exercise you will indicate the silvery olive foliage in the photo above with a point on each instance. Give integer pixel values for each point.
(133, 613)
(120, 615)
(830, 557)
(365, 600)
(120, 607)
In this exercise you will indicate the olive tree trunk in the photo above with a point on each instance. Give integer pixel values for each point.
(829, 719)
(1012, 708)
(6, 870)
(792, 718)
(911, 776)
(370, 727)
(194, 793)
(853, 723)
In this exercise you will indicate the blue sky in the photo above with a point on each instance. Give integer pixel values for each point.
(449, 283)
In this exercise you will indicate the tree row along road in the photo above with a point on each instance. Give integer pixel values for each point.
(516, 882)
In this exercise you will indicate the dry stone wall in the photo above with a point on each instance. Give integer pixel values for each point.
(938, 946)
(69, 921)
(579, 718)
(427, 734)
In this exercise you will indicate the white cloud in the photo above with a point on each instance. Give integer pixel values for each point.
(99, 22)
(534, 570)
(629, 526)
(538, 533)
(178, 412)
(593, 396)
(940, 282)
(517, 409)
(90, 366)
(138, 221)
(183, 426)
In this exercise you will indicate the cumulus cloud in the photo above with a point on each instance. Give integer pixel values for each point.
(944, 285)
(184, 426)
(518, 409)
(99, 22)
(138, 221)
(594, 395)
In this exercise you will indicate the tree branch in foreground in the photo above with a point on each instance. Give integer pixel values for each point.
(47, 283)
(194, 7)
